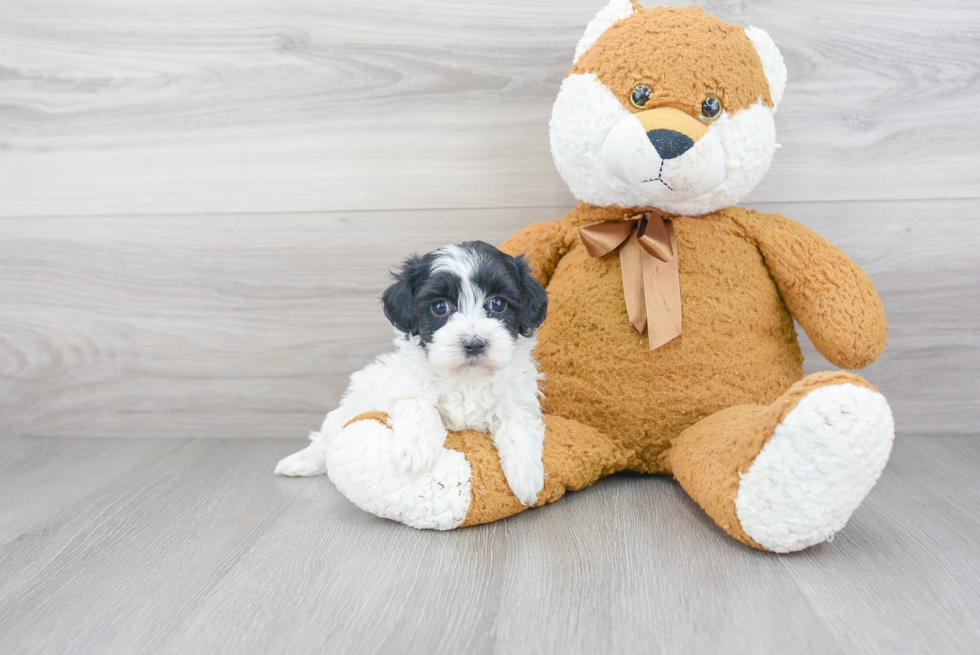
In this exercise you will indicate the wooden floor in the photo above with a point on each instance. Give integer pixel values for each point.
(192, 546)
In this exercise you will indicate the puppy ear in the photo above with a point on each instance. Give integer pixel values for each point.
(535, 299)
(399, 298)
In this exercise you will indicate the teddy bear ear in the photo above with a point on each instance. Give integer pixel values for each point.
(772, 62)
(616, 10)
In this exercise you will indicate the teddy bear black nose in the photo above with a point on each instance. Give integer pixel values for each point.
(670, 144)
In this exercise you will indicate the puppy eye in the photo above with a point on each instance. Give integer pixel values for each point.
(497, 305)
(440, 308)
(711, 108)
(640, 95)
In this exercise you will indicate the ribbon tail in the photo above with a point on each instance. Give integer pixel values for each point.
(662, 294)
(631, 257)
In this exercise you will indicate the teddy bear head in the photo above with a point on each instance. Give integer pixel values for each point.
(669, 108)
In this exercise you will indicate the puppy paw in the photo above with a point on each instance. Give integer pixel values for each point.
(520, 446)
(525, 476)
(416, 447)
(419, 435)
(305, 463)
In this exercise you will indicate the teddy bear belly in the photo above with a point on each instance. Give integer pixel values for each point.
(738, 344)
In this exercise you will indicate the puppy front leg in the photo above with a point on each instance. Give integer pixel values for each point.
(419, 434)
(519, 439)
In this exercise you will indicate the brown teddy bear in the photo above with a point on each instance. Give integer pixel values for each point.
(669, 345)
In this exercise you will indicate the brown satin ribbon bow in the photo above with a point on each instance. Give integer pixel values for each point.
(648, 256)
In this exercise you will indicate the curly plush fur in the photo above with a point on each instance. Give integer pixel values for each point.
(779, 461)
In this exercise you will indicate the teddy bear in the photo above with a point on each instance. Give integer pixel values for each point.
(669, 345)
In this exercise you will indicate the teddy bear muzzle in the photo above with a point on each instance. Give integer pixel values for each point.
(664, 154)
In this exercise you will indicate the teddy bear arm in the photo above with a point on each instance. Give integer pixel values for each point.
(542, 246)
(832, 298)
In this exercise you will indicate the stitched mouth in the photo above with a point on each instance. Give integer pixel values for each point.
(659, 177)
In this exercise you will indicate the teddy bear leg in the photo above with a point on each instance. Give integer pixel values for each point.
(787, 476)
(466, 485)
(575, 456)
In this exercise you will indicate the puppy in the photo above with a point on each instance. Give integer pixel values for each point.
(465, 317)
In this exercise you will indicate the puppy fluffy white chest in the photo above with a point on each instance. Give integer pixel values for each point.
(468, 409)
(479, 402)
(470, 406)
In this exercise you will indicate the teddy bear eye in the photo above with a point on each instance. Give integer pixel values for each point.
(640, 95)
(711, 108)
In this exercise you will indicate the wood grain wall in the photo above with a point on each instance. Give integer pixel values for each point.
(199, 198)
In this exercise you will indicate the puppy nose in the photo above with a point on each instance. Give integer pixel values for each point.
(474, 346)
(670, 144)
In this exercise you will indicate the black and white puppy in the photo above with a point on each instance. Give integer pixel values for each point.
(466, 316)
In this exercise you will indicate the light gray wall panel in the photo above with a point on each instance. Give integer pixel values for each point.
(249, 325)
(126, 107)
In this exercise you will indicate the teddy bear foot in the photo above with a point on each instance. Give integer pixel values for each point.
(360, 464)
(823, 458)
(788, 475)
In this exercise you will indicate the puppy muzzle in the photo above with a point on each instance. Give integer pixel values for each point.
(473, 347)
(664, 154)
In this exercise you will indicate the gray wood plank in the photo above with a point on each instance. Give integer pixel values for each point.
(39, 476)
(250, 325)
(369, 586)
(115, 570)
(912, 544)
(636, 567)
(609, 566)
(124, 107)
(203, 551)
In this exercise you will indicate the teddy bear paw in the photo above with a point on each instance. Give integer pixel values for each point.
(361, 464)
(821, 461)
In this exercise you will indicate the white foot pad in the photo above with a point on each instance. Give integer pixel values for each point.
(822, 460)
(360, 463)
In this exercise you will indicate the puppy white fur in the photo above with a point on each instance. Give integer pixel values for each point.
(465, 317)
